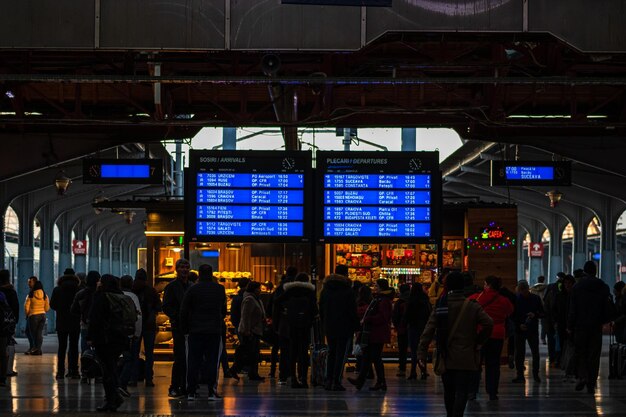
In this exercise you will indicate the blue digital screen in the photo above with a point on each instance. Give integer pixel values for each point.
(361, 229)
(291, 229)
(528, 173)
(262, 180)
(382, 197)
(250, 212)
(210, 253)
(376, 213)
(376, 181)
(124, 171)
(228, 196)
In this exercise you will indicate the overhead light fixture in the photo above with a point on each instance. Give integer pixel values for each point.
(129, 215)
(234, 246)
(554, 196)
(62, 182)
(99, 199)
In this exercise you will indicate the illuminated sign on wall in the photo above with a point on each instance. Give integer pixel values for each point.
(491, 237)
(122, 171)
(531, 173)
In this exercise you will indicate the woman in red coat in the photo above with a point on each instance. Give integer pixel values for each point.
(376, 332)
(498, 307)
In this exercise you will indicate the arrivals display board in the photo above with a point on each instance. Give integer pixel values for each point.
(531, 173)
(378, 197)
(248, 196)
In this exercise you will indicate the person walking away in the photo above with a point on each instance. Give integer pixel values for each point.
(11, 296)
(172, 300)
(250, 331)
(67, 324)
(560, 314)
(81, 306)
(150, 303)
(338, 313)
(301, 305)
(418, 311)
(36, 306)
(462, 328)
(548, 300)
(620, 321)
(235, 305)
(498, 308)
(29, 334)
(376, 325)
(131, 356)
(398, 316)
(589, 310)
(528, 311)
(111, 322)
(279, 324)
(539, 289)
(201, 318)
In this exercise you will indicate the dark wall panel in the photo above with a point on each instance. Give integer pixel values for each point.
(269, 25)
(175, 24)
(599, 29)
(437, 15)
(46, 24)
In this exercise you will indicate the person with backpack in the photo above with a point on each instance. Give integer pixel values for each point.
(67, 324)
(250, 332)
(398, 318)
(111, 322)
(418, 310)
(498, 307)
(528, 311)
(201, 318)
(300, 304)
(172, 300)
(376, 331)
(36, 306)
(150, 303)
(131, 356)
(11, 296)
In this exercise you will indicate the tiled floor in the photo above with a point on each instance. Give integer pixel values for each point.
(36, 391)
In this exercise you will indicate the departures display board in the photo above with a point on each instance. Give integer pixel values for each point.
(378, 197)
(248, 196)
(531, 173)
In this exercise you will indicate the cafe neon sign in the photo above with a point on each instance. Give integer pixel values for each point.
(491, 237)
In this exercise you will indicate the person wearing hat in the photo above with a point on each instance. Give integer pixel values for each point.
(528, 311)
(150, 303)
(172, 301)
(67, 324)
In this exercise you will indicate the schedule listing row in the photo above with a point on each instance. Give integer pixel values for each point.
(257, 180)
(373, 181)
(210, 228)
(358, 229)
(376, 197)
(377, 213)
(225, 196)
(226, 212)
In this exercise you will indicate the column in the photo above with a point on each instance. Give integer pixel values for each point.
(608, 257)
(80, 261)
(116, 261)
(409, 139)
(229, 138)
(3, 254)
(94, 248)
(521, 271)
(46, 258)
(579, 248)
(25, 252)
(65, 243)
(536, 264)
(132, 252)
(105, 252)
(556, 248)
(125, 256)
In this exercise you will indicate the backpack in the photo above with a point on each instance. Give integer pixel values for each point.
(123, 314)
(7, 326)
(299, 312)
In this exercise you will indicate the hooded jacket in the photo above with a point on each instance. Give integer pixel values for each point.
(498, 307)
(296, 289)
(61, 302)
(99, 317)
(203, 308)
(378, 319)
(38, 304)
(338, 307)
(539, 289)
(461, 352)
(587, 304)
(252, 315)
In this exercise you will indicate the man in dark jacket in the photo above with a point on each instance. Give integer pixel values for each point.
(11, 296)
(300, 304)
(339, 320)
(587, 314)
(282, 330)
(172, 300)
(235, 304)
(528, 311)
(67, 324)
(150, 303)
(81, 306)
(108, 343)
(201, 317)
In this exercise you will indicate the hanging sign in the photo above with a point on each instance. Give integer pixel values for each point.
(535, 250)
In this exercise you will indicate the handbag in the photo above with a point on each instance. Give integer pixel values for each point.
(439, 366)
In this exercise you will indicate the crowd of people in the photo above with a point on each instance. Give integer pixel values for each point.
(114, 317)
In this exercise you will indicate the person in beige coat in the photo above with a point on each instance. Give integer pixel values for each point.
(36, 306)
(459, 345)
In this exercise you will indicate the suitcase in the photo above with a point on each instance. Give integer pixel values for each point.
(617, 359)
